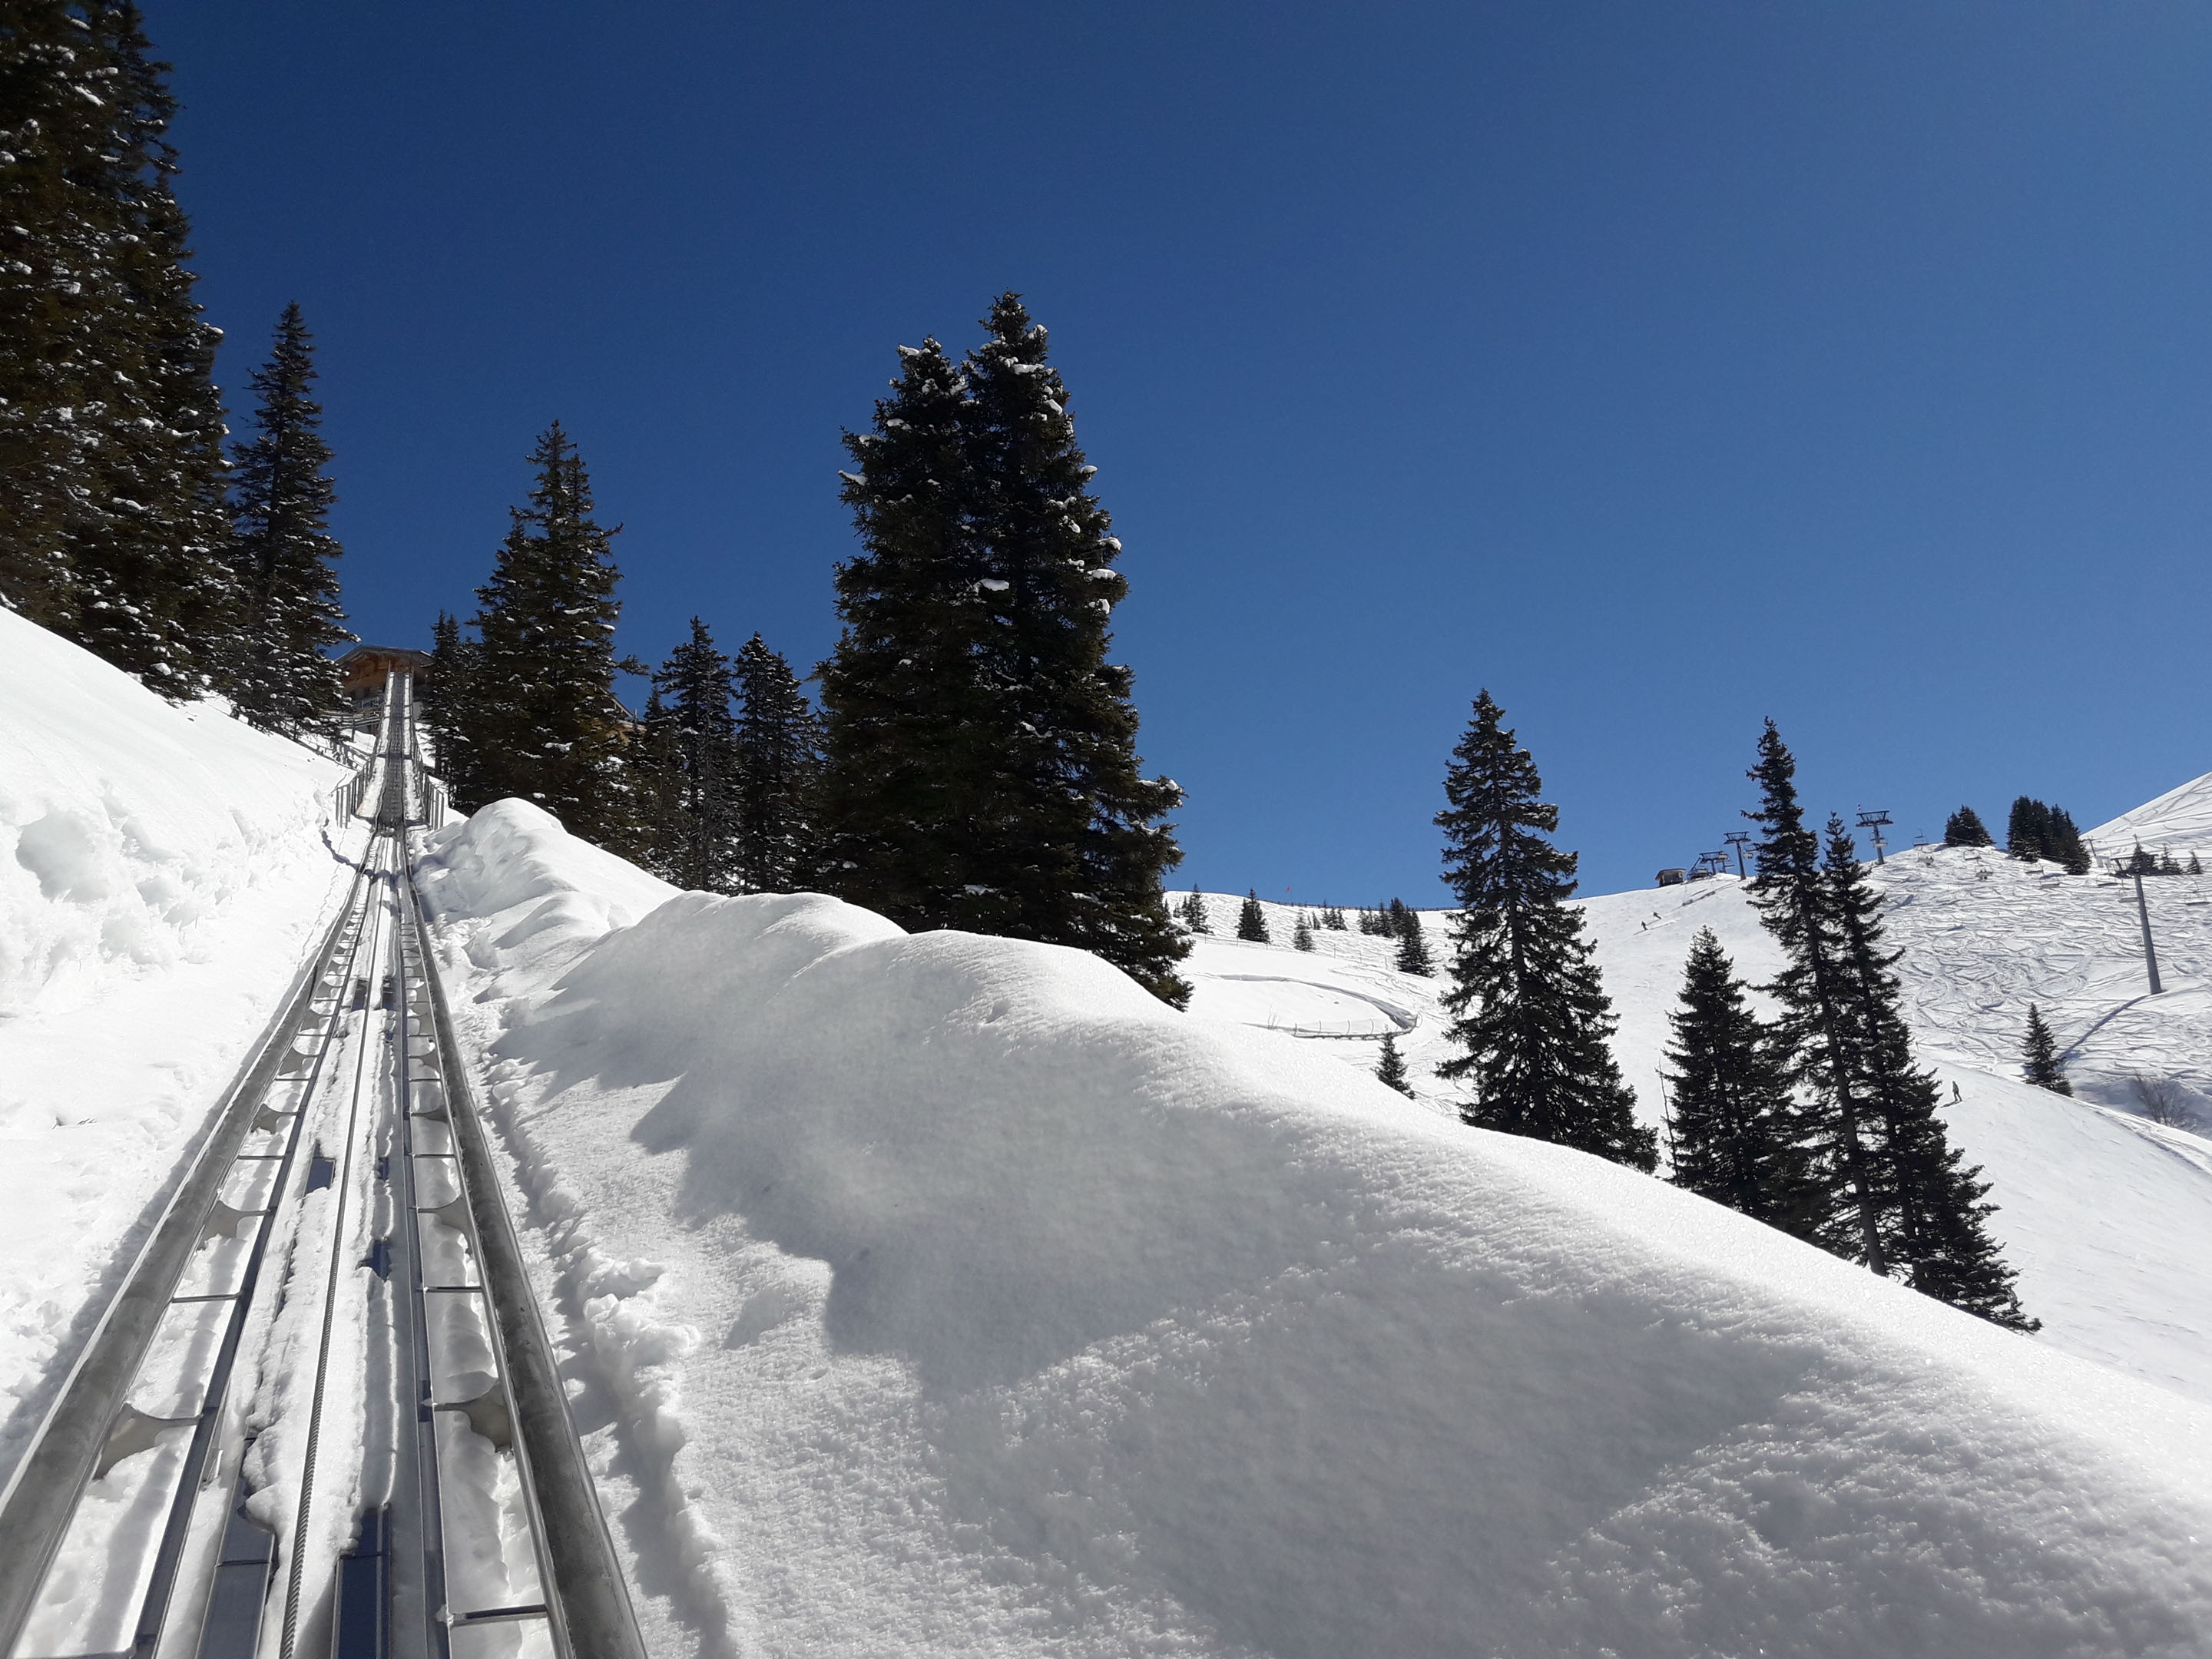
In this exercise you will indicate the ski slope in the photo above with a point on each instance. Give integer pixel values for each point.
(2179, 822)
(2107, 1216)
(948, 1295)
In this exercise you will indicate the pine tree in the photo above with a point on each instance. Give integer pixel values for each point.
(541, 720)
(1251, 919)
(1734, 1135)
(2194, 868)
(281, 676)
(1525, 994)
(1376, 923)
(982, 764)
(1964, 828)
(1301, 934)
(2028, 832)
(1412, 944)
(1392, 1067)
(1897, 1197)
(690, 769)
(1333, 917)
(2064, 843)
(2041, 1064)
(1193, 911)
(778, 763)
(112, 523)
(2139, 863)
(442, 694)
(1814, 1040)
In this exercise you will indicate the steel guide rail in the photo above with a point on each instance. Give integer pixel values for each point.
(443, 1284)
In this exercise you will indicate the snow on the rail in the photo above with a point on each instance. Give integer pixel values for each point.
(160, 876)
(948, 1295)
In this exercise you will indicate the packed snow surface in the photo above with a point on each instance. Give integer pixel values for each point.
(161, 873)
(948, 1295)
(2179, 822)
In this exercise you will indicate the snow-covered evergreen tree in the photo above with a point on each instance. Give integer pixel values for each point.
(1964, 828)
(1192, 911)
(281, 676)
(113, 527)
(442, 693)
(1528, 1006)
(1302, 933)
(688, 768)
(2040, 1062)
(1251, 919)
(779, 761)
(1413, 956)
(1391, 1069)
(1735, 1136)
(540, 719)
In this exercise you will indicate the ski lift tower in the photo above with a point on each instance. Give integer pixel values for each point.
(1876, 819)
(1738, 839)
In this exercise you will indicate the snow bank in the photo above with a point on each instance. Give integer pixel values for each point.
(948, 1295)
(161, 872)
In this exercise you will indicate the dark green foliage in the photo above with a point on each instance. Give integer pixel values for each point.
(1964, 828)
(1332, 917)
(1412, 944)
(2040, 1062)
(1301, 934)
(1735, 1136)
(112, 522)
(281, 676)
(441, 695)
(539, 718)
(1377, 923)
(1391, 1069)
(2139, 863)
(1193, 911)
(2038, 831)
(779, 759)
(1251, 919)
(688, 768)
(1895, 1195)
(1527, 1005)
(981, 764)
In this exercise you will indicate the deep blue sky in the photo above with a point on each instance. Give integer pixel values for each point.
(1660, 366)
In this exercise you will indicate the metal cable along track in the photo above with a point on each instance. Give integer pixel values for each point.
(322, 1411)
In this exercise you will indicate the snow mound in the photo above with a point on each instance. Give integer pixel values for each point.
(162, 872)
(2179, 821)
(948, 1295)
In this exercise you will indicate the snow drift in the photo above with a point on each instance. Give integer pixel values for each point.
(946, 1294)
(160, 873)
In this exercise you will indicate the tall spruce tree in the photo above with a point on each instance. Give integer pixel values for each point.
(1897, 1197)
(442, 694)
(1193, 911)
(2040, 1062)
(1525, 996)
(1251, 919)
(282, 676)
(1413, 945)
(1814, 1039)
(112, 522)
(540, 719)
(688, 761)
(779, 762)
(906, 719)
(1964, 828)
(1735, 1134)
(1937, 1215)
(982, 768)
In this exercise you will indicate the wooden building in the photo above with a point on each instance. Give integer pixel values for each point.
(363, 669)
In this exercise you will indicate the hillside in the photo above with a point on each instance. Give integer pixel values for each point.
(947, 1295)
(161, 870)
(2107, 1216)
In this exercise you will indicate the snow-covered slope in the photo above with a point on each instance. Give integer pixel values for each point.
(2179, 821)
(947, 1295)
(2107, 1216)
(161, 871)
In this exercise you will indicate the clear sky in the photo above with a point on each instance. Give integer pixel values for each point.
(1660, 366)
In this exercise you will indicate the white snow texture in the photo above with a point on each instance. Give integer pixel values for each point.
(949, 1295)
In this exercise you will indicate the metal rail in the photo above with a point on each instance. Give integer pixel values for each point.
(444, 1283)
